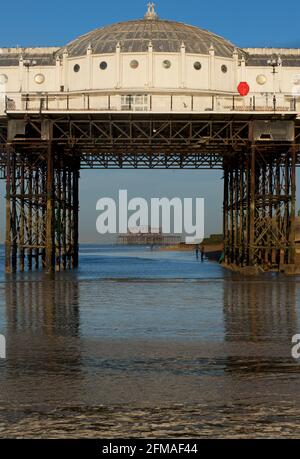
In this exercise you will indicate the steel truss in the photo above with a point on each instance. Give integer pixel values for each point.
(41, 210)
(109, 132)
(42, 156)
(152, 160)
(259, 207)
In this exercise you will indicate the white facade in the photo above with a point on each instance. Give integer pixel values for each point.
(53, 80)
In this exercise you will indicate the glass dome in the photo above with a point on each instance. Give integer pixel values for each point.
(165, 36)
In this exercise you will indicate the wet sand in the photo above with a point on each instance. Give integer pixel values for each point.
(149, 345)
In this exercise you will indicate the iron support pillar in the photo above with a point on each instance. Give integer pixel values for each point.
(50, 243)
(42, 206)
(292, 254)
(8, 240)
(225, 215)
(252, 209)
(75, 218)
(260, 206)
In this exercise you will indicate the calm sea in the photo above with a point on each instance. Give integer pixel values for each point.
(148, 344)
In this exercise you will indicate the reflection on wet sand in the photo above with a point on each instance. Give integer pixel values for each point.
(49, 307)
(42, 329)
(260, 310)
(153, 370)
(260, 318)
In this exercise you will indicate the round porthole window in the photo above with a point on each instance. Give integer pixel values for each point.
(167, 64)
(103, 65)
(39, 78)
(197, 66)
(261, 79)
(3, 78)
(76, 68)
(134, 64)
(224, 68)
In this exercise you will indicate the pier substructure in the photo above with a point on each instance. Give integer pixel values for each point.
(40, 158)
(259, 207)
(42, 206)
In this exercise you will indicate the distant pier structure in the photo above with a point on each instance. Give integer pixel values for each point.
(146, 237)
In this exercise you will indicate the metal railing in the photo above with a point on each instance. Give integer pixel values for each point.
(64, 102)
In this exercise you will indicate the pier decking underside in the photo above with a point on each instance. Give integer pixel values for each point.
(41, 157)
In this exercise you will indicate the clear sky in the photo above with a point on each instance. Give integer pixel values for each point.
(55, 23)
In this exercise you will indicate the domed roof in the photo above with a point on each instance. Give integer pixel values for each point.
(165, 36)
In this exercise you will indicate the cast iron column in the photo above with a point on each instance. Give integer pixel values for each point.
(50, 243)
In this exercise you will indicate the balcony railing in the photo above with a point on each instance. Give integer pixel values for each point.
(164, 103)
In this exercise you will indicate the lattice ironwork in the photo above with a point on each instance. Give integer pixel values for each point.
(42, 210)
(41, 157)
(259, 207)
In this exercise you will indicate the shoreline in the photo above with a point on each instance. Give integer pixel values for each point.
(212, 251)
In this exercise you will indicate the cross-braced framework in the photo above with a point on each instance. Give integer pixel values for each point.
(41, 209)
(259, 206)
(42, 155)
(3, 140)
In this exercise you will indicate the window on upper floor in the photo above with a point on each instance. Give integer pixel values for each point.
(197, 66)
(167, 64)
(137, 102)
(134, 64)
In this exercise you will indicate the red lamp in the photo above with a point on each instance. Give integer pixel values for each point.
(243, 88)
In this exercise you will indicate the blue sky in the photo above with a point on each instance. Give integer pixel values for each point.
(55, 23)
(255, 23)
